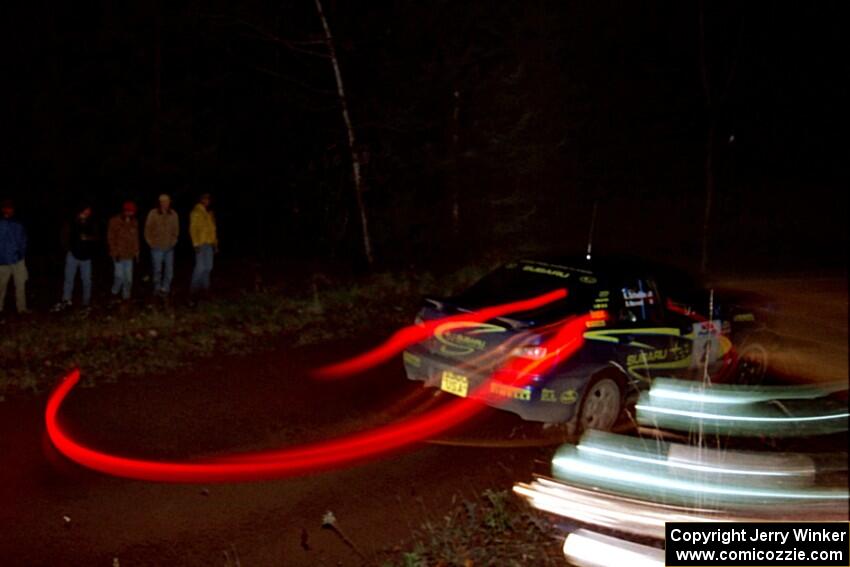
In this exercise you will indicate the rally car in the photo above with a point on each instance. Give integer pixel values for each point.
(657, 323)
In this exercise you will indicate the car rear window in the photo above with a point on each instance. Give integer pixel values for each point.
(522, 280)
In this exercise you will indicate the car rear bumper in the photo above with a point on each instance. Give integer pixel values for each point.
(552, 399)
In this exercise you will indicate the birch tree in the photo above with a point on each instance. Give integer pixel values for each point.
(355, 158)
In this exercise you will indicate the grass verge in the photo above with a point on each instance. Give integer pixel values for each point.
(494, 529)
(108, 343)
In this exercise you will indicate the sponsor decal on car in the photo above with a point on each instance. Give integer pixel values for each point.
(566, 397)
(547, 271)
(569, 396)
(510, 391)
(636, 298)
(456, 343)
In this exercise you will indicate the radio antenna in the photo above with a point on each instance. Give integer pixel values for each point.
(590, 233)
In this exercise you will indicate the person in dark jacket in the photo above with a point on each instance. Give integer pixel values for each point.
(123, 239)
(82, 244)
(13, 249)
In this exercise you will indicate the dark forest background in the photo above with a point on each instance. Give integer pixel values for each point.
(482, 126)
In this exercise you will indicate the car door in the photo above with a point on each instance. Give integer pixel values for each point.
(648, 345)
(701, 343)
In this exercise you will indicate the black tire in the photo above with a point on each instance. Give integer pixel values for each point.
(602, 403)
(753, 360)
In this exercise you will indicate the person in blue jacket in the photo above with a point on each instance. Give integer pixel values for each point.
(13, 250)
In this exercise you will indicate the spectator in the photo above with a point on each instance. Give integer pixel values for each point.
(202, 229)
(162, 228)
(123, 239)
(13, 249)
(81, 241)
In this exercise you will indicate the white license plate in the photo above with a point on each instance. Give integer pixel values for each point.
(456, 384)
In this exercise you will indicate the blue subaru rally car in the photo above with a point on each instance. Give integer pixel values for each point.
(657, 325)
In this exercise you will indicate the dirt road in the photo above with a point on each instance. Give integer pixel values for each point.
(55, 513)
(809, 315)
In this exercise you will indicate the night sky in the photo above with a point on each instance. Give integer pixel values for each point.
(559, 104)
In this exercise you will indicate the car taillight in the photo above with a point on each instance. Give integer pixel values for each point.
(534, 352)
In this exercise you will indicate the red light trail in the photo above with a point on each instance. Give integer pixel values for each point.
(416, 333)
(350, 449)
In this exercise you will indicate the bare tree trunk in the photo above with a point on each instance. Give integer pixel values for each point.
(355, 158)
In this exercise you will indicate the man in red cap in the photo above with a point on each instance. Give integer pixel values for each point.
(123, 240)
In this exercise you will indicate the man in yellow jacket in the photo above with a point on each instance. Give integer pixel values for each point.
(202, 230)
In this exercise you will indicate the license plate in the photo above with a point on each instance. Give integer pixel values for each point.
(454, 384)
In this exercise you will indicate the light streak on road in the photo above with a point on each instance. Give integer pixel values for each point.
(695, 392)
(645, 519)
(744, 411)
(584, 548)
(659, 483)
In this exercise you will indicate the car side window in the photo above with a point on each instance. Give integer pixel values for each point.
(639, 302)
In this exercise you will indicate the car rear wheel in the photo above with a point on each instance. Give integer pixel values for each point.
(601, 404)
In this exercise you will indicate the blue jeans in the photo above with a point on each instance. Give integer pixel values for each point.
(72, 264)
(160, 257)
(123, 281)
(203, 267)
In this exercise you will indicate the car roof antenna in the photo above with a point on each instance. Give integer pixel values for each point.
(590, 232)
